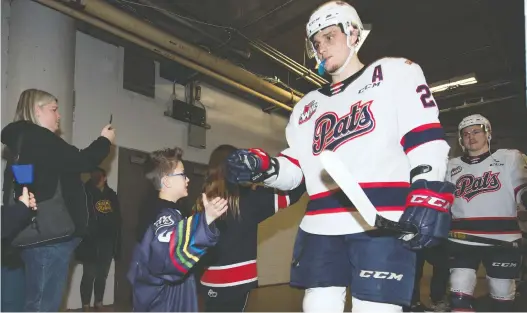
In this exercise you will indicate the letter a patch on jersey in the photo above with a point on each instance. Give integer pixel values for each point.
(308, 111)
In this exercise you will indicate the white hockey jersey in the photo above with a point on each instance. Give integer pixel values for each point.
(382, 121)
(488, 190)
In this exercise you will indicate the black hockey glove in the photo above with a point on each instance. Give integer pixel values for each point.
(428, 211)
(250, 165)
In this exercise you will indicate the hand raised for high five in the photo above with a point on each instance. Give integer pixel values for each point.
(214, 208)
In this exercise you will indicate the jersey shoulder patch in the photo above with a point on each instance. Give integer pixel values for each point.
(163, 221)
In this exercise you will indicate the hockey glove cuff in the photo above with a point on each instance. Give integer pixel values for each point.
(250, 166)
(428, 211)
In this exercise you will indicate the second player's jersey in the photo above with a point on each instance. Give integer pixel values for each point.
(488, 189)
(382, 122)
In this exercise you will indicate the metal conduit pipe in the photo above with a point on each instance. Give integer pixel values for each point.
(475, 104)
(288, 63)
(56, 5)
(112, 15)
(286, 58)
(244, 54)
(294, 70)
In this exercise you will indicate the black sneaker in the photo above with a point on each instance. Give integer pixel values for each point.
(417, 307)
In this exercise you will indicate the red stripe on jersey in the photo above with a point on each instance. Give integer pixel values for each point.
(510, 232)
(230, 274)
(486, 218)
(340, 210)
(282, 201)
(332, 210)
(292, 160)
(172, 253)
(363, 185)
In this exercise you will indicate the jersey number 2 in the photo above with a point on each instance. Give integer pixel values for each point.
(426, 96)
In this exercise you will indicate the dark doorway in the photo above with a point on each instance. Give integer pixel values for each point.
(135, 192)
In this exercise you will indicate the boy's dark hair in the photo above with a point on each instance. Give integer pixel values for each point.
(161, 163)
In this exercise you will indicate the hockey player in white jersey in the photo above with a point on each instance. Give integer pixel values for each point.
(489, 186)
(382, 120)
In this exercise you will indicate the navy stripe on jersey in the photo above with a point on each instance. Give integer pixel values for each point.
(421, 135)
(384, 196)
(487, 225)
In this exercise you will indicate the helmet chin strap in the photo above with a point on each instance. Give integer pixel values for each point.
(348, 59)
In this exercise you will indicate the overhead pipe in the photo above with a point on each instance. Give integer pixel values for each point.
(244, 54)
(295, 67)
(287, 59)
(56, 5)
(291, 68)
(112, 15)
(475, 104)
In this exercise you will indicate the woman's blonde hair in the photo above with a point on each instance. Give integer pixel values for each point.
(29, 98)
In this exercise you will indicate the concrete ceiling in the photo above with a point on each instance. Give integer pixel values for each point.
(447, 38)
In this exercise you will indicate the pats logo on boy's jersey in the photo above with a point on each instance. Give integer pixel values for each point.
(468, 186)
(309, 110)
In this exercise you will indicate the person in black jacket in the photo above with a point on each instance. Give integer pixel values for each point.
(16, 216)
(230, 267)
(54, 160)
(102, 244)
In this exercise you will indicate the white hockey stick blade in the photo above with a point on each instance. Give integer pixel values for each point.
(344, 178)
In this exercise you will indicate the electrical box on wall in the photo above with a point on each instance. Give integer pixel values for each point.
(189, 113)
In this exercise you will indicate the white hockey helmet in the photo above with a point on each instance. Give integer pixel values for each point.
(475, 119)
(337, 13)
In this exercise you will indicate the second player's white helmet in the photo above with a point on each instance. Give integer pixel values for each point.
(337, 13)
(475, 119)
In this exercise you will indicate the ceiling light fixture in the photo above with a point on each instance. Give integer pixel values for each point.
(454, 83)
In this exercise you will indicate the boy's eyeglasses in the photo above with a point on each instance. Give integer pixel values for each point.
(178, 174)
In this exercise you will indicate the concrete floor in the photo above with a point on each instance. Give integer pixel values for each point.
(282, 298)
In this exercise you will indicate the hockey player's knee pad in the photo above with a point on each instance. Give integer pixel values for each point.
(462, 284)
(358, 305)
(463, 280)
(324, 299)
(501, 289)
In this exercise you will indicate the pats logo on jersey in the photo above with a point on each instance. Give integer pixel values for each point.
(468, 186)
(309, 110)
(332, 131)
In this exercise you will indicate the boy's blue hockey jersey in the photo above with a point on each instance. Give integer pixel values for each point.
(162, 260)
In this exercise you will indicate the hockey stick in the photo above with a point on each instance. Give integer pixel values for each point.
(496, 242)
(347, 183)
(344, 178)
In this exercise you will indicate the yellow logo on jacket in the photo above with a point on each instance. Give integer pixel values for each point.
(104, 206)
